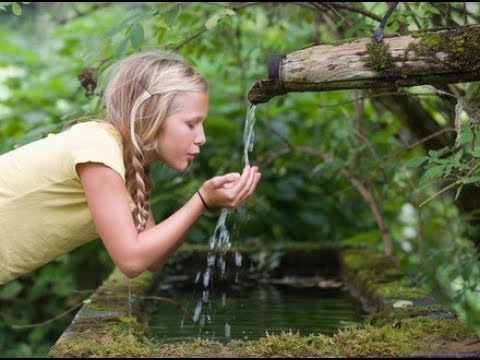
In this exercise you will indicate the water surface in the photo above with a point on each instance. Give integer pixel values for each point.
(250, 310)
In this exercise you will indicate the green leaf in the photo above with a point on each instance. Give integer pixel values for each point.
(17, 9)
(215, 18)
(431, 174)
(465, 137)
(434, 172)
(212, 21)
(393, 27)
(458, 156)
(10, 290)
(469, 180)
(116, 29)
(433, 10)
(137, 36)
(475, 152)
(119, 52)
(416, 161)
(173, 15)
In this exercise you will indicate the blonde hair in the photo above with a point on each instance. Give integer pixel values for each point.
(137, 98)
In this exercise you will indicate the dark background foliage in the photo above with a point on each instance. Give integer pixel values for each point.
(306, 144)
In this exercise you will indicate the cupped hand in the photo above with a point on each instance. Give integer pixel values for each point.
(231, 190)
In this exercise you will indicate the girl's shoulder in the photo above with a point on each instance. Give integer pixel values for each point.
(95, 127)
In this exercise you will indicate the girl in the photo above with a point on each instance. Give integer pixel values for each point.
(92, 180)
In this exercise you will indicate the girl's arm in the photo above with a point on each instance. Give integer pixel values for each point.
(150, 224)
(132, 252)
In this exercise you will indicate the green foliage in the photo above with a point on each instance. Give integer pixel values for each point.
(458, 164)
(304, 143)
(15, 7)
(456, 271)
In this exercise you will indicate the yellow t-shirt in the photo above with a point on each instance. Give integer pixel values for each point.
(43, 208)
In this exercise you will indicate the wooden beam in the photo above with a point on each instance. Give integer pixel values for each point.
(442, 56)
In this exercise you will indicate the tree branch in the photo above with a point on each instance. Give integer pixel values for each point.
(398, 61)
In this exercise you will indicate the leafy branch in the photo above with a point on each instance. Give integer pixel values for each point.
(15, 7)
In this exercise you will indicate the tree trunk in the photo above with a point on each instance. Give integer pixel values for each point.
(444, 56)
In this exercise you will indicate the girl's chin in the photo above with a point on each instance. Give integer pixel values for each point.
(179, 166)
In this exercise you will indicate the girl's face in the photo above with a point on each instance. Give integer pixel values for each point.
(181, 134)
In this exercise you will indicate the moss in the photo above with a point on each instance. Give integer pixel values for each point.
(456, 49)
(387, 332)
(113, 295)
(417, 335)
(459, 45)
(369, 238)
(412, 336)
(380, 60)
(378, 275)
(111, 340)
(288, 344)
(399, 289)
(389, 315)
(197, 348)
(358, 259)
(369, 267)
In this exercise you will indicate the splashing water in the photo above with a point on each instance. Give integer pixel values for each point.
(219, 242)
(220, 239)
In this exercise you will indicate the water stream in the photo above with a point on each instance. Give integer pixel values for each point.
(219, 244)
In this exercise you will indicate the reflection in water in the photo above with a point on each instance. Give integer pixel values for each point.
(252, 310)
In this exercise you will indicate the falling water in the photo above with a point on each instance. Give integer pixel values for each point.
(248, 134)
(219, 242)
(129, 297)
(220, 239)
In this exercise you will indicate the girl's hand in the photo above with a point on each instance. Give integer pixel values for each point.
(232, 189)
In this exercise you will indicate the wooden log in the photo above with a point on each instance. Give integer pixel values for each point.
(443, 56)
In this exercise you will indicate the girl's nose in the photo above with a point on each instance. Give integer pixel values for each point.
(200, 139)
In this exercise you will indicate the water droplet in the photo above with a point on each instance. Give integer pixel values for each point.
(238, 259)
(227, 330)
(211, 260)
(197, 277)
(197, 311)
(206, 278)
(221, 265)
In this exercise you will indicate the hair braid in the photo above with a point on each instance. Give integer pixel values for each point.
(139, 181)
(139, 185)
(140, 193)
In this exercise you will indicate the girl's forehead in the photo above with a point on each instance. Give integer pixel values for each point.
(190, 101)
